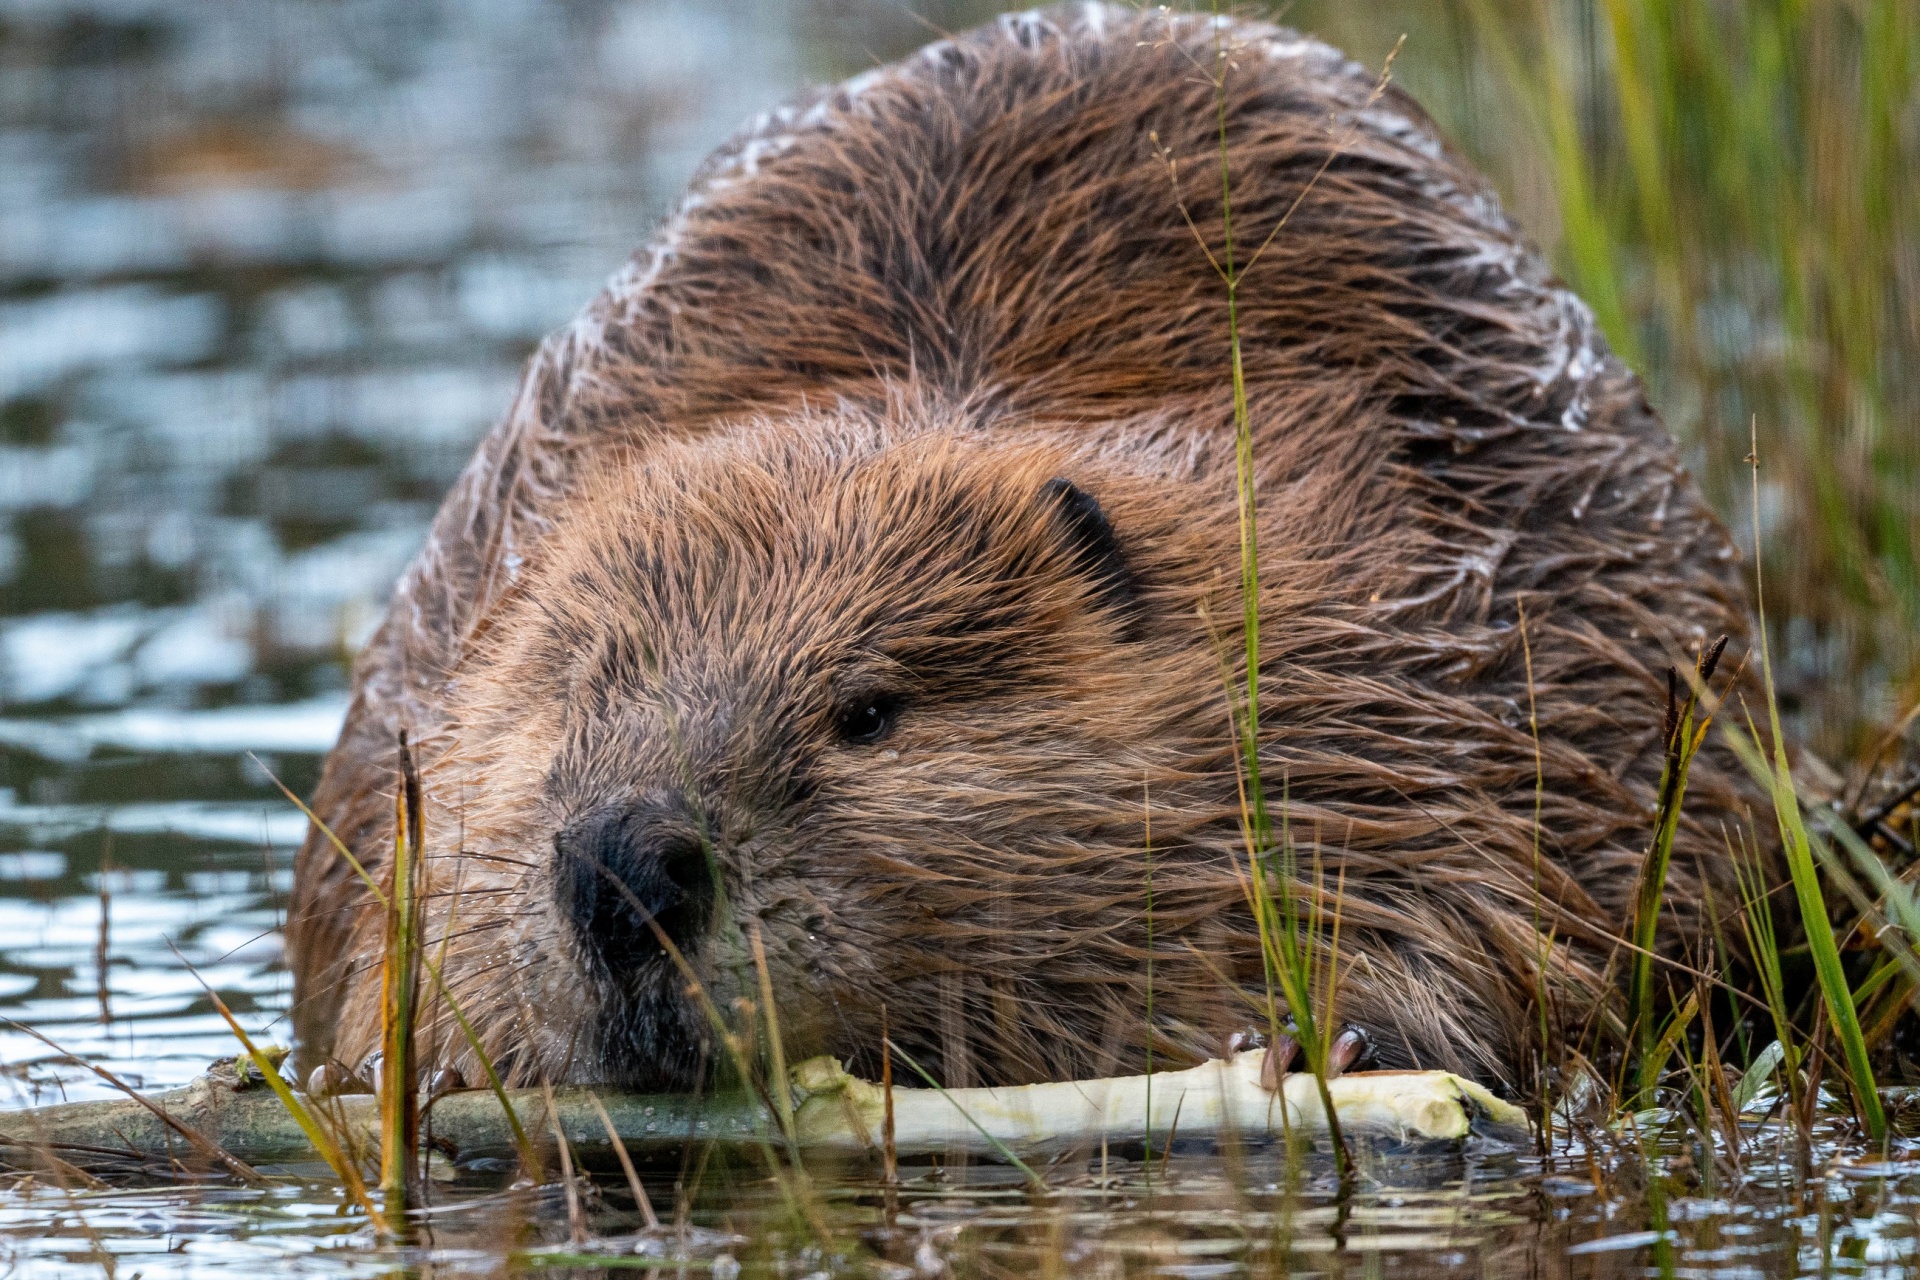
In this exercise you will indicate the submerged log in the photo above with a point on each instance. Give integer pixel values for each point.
(1221, 1101)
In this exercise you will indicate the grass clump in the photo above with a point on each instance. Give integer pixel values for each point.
(1732, 188)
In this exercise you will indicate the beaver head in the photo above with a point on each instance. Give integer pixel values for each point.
(921, 721)
(870, 710)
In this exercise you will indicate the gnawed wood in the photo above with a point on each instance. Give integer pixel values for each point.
(1221, 1101)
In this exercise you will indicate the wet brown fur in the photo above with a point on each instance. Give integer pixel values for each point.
(798, 450)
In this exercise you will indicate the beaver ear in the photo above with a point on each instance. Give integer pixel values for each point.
(1090, 540)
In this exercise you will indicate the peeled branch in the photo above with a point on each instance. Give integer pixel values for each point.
(1222, 1101)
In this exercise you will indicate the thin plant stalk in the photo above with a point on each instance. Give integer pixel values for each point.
(316, 1133)
(576, 1218)
(889, 1158)
(399, 1002)
(1283, 956)
(1146, 806)
(1756, 924)
(103, 942)
(1684, 732)
(639, 1188)
(1278, 922)
(780, 1089)
(197, 1140)
(1544, 956)
(1711, 1081)
(1005, 1152)
(523, 1143)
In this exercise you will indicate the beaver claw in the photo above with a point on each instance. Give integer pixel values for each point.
(1245, 1038)
(1280, 1055)
(1352, 1045)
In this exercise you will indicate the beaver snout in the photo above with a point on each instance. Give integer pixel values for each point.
(627, 874)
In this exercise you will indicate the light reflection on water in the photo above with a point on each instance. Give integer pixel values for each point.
(1198, 1216)
(98, 894)
(267, 271)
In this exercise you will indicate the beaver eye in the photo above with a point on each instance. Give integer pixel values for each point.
(867, 720)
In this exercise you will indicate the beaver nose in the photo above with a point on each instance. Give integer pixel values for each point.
(627, 873)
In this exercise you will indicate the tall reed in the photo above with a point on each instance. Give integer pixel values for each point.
(1146, 807)
(1682, 735)
(1772, 769)
(399, 1000)
(1733, 188)
(1289, 942)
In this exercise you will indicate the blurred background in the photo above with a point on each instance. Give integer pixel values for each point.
(268, 269)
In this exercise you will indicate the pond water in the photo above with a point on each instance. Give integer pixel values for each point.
(267, 271)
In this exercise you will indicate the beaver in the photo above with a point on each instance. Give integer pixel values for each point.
(850, 605)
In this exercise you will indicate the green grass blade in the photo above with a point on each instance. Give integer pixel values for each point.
(1756, 923)
(316, 1133)
(1683, 743)
(1777, 778)
(529, 1154)
(1755, 1077)
(1901, 908)
(1005, 1152)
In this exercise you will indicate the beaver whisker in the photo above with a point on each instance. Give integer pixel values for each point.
(500, 859)
(465, 932)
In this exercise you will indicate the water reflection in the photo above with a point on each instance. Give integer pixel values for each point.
(267, 271)
(1410, 1215)
(266, 274)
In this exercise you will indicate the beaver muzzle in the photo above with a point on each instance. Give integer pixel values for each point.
(631, 876)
